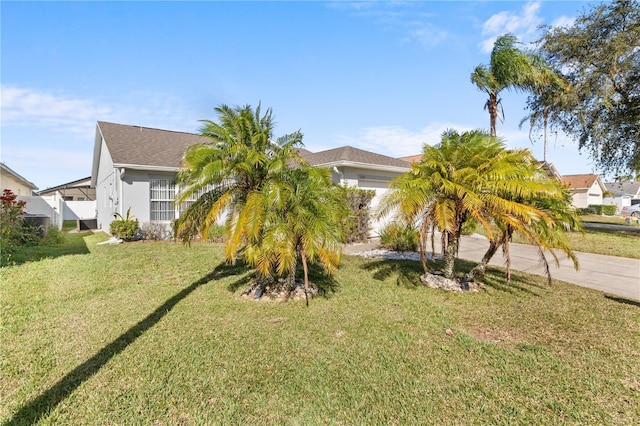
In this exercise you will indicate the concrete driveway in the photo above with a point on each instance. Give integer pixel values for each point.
(618, 276)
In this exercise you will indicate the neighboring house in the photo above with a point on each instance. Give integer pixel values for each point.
(621, 193)
(411, 158)
(551, 170)
(585, 189)
(78, 190)
(135, 167)
(10, 179)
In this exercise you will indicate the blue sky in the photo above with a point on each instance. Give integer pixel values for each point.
(382, 76)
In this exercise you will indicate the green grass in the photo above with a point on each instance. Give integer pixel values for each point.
(621, 243)
(608, 242)
(601, 241)
(611, 220)
(156, 333)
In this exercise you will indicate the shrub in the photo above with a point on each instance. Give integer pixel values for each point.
(469, 227)
(127, 228)
(53, 236)
(356, 227)
(609, 210)
(217, 233)
(399, 237)
(596, 208)
(584, 211)
(10, 224)
(155, 231)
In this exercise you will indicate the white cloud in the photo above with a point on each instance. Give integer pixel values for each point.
(426, 34)
(523, 25)
(29, 107)
(404, 16)
(395, 141)
(563, 22)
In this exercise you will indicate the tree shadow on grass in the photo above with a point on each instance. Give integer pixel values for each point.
(326, 283)
(407, 272)
(623, 300)
(520, 283)
(73, 243)
(48, 400)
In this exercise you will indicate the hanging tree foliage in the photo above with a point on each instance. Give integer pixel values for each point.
(599, 54)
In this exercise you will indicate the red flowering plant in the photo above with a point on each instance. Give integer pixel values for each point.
(11, 210)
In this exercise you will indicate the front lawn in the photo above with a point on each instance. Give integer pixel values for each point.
(156, 333)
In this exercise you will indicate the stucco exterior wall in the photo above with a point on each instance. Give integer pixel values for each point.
(369, 179)
(106, 190)
(135, 194)
(595, 194)
(8, 182)
(580, 200)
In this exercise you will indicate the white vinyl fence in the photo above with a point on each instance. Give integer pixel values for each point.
(58, 210)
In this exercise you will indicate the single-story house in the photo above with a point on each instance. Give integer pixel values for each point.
(9, 179)
(585, 189)
(134, 168)
(621, 193)
(77, 190)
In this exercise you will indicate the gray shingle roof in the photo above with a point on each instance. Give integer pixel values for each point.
(146, 146)
(349, 154)
(631, 189)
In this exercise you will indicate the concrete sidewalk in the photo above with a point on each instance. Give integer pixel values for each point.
(618, 276)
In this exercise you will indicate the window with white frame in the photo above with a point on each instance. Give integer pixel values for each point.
(163, 192)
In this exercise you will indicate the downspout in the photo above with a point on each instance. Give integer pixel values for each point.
(120, 194)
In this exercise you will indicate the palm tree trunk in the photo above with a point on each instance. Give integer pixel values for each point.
(303, 256)
(545, 117)
(423, 245)
(450, 255)
(492, 106)
(291, 278)
(481, 267)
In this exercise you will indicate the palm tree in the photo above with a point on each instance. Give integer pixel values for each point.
(550, 91)
(468, 176)
(301, 220)
(509, 68)
(547, 233)
(222, 174)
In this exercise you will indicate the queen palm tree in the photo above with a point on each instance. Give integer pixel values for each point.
(223, 173)
(510, 68)
(550, 93)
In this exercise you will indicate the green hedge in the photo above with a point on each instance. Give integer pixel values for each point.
(399, 237)
(600, 209)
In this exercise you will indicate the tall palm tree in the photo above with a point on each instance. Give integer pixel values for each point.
(468, 176)
(301, 220)
(510, 68)
(550, 93)
(222, 174)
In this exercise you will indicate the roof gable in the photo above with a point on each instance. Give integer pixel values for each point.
(412, 158)
(584, 182)
(17, 176)
(631, 189)
(350, 155)
(144, 146)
